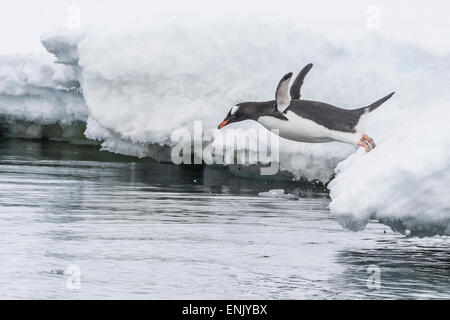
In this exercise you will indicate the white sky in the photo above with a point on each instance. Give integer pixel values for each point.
(423, 22)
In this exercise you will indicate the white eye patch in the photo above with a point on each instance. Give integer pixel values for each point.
(234, 110)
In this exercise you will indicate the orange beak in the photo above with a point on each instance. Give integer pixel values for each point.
(223, 124)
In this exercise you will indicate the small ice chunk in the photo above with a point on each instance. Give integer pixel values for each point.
(277, 193)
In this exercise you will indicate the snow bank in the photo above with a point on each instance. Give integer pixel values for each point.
(64, 45)
(40, 99)
(403, 182)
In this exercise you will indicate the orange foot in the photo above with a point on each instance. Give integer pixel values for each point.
(364, 144)
(368, 139)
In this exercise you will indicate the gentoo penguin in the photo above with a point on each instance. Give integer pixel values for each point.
(304, 120)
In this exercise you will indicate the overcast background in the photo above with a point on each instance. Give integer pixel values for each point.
(425, 23)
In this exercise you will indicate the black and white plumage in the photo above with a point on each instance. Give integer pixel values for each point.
(303, 120)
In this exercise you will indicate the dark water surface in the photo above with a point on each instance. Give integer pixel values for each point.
(140, 229)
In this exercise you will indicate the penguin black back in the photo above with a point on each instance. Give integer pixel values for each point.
(327, 115)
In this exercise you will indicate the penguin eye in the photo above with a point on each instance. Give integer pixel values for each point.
(234, 110)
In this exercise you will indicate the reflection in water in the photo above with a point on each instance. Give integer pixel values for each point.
(140, 229)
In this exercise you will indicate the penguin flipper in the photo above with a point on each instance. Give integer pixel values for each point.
(281, 95)
(298, 82)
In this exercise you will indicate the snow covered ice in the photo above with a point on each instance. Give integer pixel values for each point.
(35, 89)
(276, 193)
(403, 182)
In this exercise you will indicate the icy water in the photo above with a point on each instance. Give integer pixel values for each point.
(143, 230)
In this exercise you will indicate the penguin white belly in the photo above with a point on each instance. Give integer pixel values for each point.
(304, 130)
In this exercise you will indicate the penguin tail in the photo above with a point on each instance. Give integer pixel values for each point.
(376, 104)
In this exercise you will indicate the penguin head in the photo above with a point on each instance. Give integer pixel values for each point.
(254, 110)
(248, 111)
(237, 113)
(232, 116)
